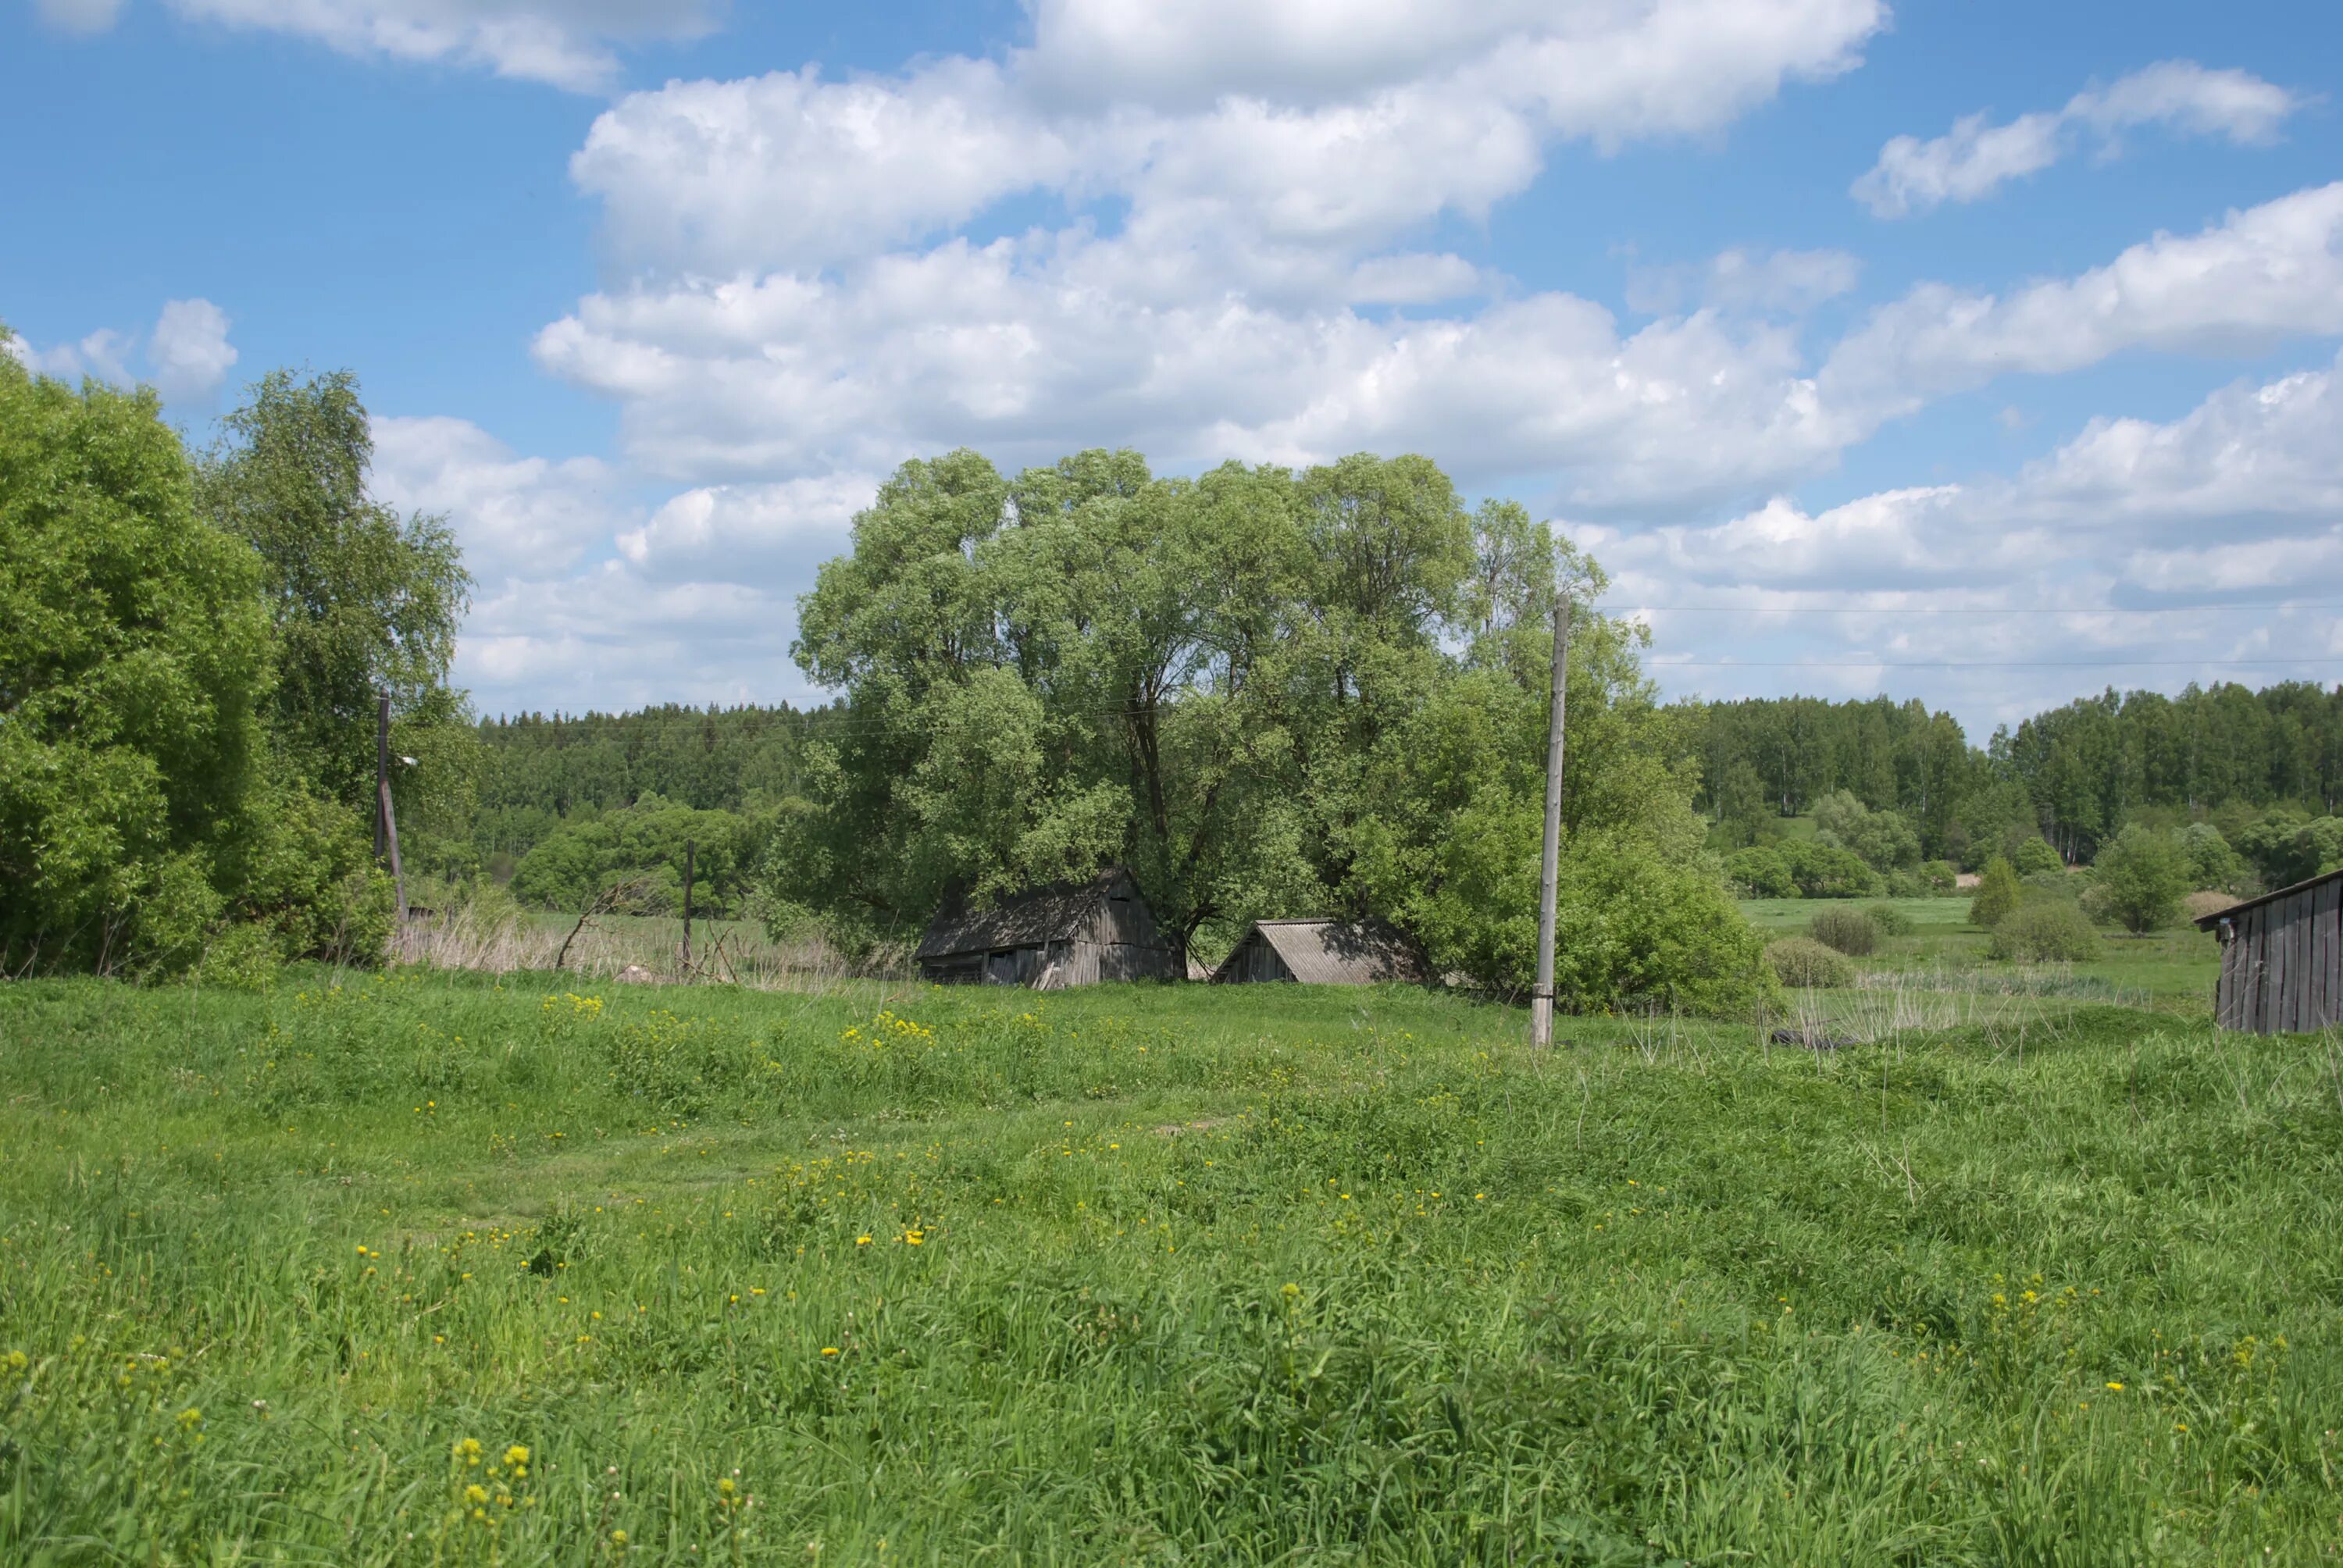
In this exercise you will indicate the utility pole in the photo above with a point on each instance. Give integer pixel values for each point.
(1549, 870)
(386, 822)
(687, 905)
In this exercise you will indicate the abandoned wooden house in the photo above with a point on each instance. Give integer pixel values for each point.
(1077, 933)
(2281, 958)
(1320, 952)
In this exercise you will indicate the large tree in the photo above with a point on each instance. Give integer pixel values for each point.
(362, 599)
(140, 813)
(1269, 692)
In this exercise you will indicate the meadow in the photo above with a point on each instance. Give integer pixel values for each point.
(451, 1269)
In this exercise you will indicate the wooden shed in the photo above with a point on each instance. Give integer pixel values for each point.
(1320, 952)
(1076, 933)
(2281, 958)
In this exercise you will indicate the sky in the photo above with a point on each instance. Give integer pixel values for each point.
(1975, 351)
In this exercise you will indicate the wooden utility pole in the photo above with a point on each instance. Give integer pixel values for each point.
(687, 905)
(386, 822)
(1549, 870)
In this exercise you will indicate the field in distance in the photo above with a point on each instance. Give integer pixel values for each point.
(431, 1269)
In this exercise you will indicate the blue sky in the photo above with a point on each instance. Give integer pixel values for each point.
(1985, 353)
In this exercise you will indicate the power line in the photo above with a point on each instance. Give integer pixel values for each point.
(1981, 663)
(1935, 610)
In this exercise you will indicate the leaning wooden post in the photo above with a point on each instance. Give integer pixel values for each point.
(386, 822)
(687, 905)
(1549, 870)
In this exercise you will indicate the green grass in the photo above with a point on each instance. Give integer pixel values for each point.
(2172, 969)
(1152, 1275)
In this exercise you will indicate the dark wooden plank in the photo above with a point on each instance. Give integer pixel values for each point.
(2326, 942)
(2306, 906)
(2281, 947)
(2259, 978)
(2227, 1012)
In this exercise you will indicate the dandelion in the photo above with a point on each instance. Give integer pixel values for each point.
(2115, 1387)
(829, 1350)
(862, 1240)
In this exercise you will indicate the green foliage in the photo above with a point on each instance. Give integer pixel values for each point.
(1940, 876)
(2287, 846)
(1997, 894)
(2139, 878)
(1805, 963)
(133, 650)
(643, 844)
(2044, 930)
(362, 599)
(1883, 840)
(1890, 920)
(1761, 872)
(2212, 864)
(1848, 930)
(2034, 858)
(1829, 871)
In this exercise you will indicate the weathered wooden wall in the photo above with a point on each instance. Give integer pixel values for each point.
(2283, 972)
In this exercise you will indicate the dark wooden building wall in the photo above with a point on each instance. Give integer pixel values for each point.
(1257, 962)
(2283, 972)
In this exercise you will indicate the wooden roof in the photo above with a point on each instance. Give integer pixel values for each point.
(1335, 952)
(1064, 912)
(2207, 922)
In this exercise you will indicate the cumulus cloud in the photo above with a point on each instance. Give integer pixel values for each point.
(512, 515)
(188, 350)
(1975, 159)
(2112, 556)
(772, 531)
(2256, 277)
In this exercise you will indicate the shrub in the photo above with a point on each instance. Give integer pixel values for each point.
(1761, 873)
(1891, 921)
(1827, 871)
(1851, 932)
(1802, 962)
(1997, 895)
(1941, 875)
(2045, 931)
(2035, 858)
(2139, 878)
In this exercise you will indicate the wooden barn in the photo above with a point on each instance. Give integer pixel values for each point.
(2281, 958)
(1320, 952)
(1077, 933)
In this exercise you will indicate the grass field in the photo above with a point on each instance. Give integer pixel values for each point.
(1158, 1274)
(2170, 971)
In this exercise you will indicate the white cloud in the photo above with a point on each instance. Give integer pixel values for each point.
(564, 42)
(2258, 277)
(2119, 546)
(512, 515)
(779, 531)
(1787, 281)
(188, 350)
(80, 16)
(1974, 158)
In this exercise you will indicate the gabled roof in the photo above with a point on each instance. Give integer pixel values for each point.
(1335, 952)
(1058, 913)
(2207, 922)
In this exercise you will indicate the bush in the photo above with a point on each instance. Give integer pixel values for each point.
(1828, 871)
(2139, 878)
(2043, 931)
(2210, 902)
(1891, 921)
(1761, 873)
(2036, 858)
(1803, 962)
(1851, 932)
(1998, 894)
(1941, 875)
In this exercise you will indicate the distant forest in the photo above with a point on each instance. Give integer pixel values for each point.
(597, 791)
